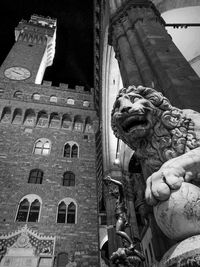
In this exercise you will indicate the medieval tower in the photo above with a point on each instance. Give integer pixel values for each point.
(47, 159)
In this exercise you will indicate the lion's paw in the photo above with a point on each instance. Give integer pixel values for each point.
(160, 183)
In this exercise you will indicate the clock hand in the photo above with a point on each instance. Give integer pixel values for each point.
(17, 72)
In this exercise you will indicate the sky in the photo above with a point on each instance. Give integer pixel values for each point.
(73, 62)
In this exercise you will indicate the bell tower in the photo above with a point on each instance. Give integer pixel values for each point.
(32, 52)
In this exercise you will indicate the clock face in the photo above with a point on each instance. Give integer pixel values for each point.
(17, 73)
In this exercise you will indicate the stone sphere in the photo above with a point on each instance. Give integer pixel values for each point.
(179, 216)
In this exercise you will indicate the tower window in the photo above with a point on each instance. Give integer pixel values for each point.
(68, 179)
(42, 147)
(17, 116)
(71, 150)
(6, 115)
(42, 119)
(54, 120)
(88, 125)
(67, 211)
(35, 176)
(70, 101)
(53, 99)
(86, 103)
(78, 124)
(36, 97)
(29, 209)
(66, 122)
(29, 118)
(18, 94)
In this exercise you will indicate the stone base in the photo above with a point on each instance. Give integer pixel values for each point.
(184, 254)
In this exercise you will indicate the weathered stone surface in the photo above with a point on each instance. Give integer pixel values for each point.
(184, 254)
(179, 216)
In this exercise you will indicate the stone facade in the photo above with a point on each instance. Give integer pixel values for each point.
(39, 126)
(18, 159)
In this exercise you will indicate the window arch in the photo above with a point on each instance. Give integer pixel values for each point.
(70, 101)
(71, 150)
(68, 179)
(29, 209)
(66, 122)
(17, 116)
(67, 211)
(42, 147)
(42, 120)
(35, 176)
(29, 118)
(54, 120)
(78, 123)
(6, 114)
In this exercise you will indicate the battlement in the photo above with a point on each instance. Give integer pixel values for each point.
(43, 21)
(65, 86)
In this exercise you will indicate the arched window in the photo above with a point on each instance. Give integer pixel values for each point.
(35, 176)
(67, 211)
(86, 103)
(53, 99)
(6, 114)
(68, 179)
(42, 147)
(29, 209)
(18, 94)
(88, 125)
(78, 124)
(54, 120)
(23, 211)
(74, 153)
(17, 116)
(34, 211)
(71, 150)
(70, 101)
(62, 259)
(36, 96)
(71, 213)
(67, 151)
(29, 118)
(42, 120)
(61, 212)
(66, 122)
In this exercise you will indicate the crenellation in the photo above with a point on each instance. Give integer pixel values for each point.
(47, 83)
(79, 88)
(63, 86)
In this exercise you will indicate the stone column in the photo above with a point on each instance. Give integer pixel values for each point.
(147, 54)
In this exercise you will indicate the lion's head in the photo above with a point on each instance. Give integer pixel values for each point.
(135, 112)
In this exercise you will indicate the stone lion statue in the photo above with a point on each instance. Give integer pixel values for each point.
(165, 139)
